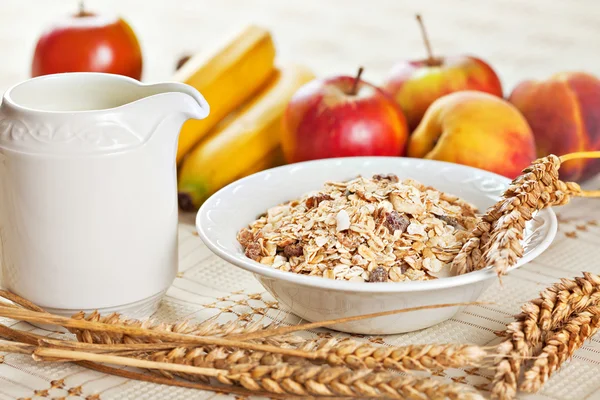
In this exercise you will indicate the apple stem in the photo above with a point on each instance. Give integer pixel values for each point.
(356, 81)
(430, 58)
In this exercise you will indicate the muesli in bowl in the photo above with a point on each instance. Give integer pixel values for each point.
(235, 208)
(377, 229)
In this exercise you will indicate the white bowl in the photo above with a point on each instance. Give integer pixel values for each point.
(317, 299)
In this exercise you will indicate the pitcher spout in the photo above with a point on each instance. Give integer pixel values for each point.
(184, 99)
(162, 108)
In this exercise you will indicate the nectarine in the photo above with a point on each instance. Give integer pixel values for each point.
(476, 129)
(564, 114)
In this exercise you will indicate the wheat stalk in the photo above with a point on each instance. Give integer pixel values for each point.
(46, 318)
(347, 353)
(279, 377)
(28, 338)
(20, 301)
(18, 348)
(427, 357)
(299, 380)
(568, 296)
(508, 367)
(117, 329)
(285, 374)
(523, 190)
(470, 256)
(496, 240)
(555, 307)
(127, 374)
(341, 381)
(264, 373)
(560, 346)
(207, 328)
(109, 330)
(504, 248)
(355, 355)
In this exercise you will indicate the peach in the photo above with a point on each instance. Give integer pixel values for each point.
(477, 129)
(564, 114)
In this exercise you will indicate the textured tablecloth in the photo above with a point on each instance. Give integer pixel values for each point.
(520, 39)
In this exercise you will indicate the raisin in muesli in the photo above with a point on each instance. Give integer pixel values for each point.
(387, 177)
(396, 222)
(245, 237)
(379, 274)
(293, 250)
(314, 201)
(253, 251)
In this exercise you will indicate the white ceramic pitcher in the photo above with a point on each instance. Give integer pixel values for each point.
(88, 199)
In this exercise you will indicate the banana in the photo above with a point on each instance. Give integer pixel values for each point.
(227, 76)
(246, 140)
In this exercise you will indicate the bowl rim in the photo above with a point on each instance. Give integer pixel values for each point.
(250, 265)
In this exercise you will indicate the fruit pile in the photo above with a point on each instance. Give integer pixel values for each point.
(454, 111)
(443, 108)
(264, 113)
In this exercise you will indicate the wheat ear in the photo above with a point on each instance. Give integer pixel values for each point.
(282, 378)
(267, 372)
(347, 353)
(555, 306)
(207, 328)
(31, 339)
(496, 240)
(560, 346)
(40, 317)
(428, 357)
(523, 191)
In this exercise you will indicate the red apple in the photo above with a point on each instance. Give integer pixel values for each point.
(341, 117)
(417, 84)
(86, 42)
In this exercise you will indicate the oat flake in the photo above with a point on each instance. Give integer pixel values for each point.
(343, 231)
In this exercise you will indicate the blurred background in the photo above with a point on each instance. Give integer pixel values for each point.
(520, 39)
(240, 54)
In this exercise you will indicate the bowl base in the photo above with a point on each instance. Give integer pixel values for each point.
(315, 305)
(395, 324)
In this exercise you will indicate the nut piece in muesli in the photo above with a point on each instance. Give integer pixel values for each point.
(363, 230)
